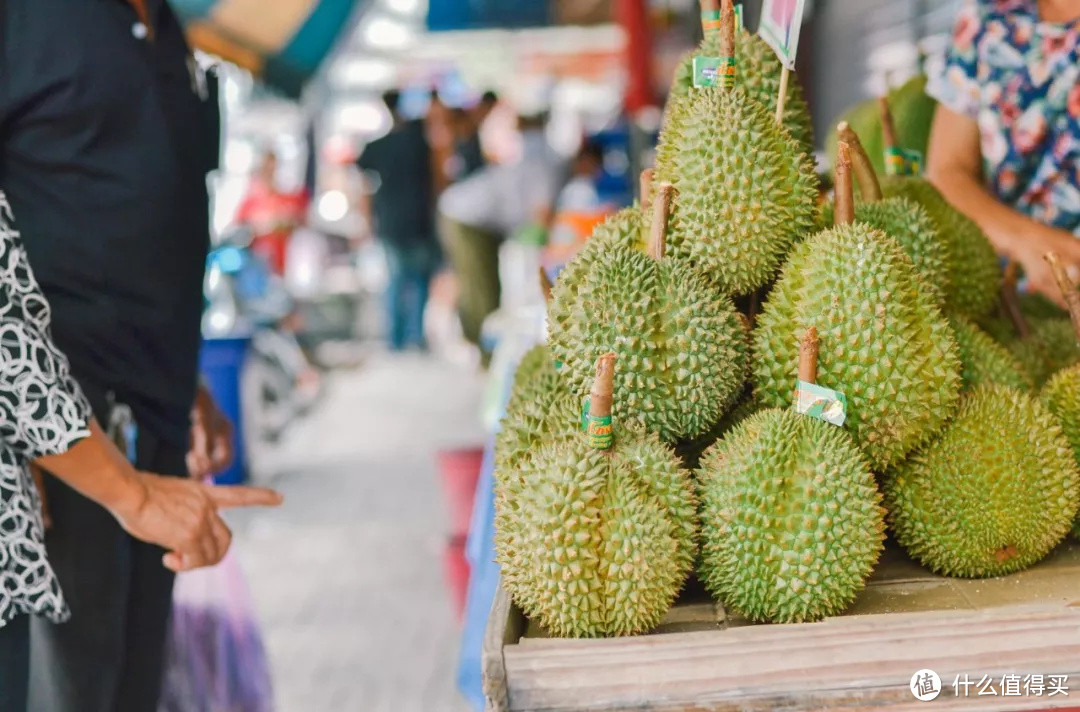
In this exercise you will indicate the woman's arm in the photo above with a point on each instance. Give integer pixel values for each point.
(178, 514)
(954, 165)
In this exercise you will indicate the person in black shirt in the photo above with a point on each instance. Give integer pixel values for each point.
(401, 212)
(107, 131)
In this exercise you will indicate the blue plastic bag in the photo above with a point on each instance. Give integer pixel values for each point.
(215, 660)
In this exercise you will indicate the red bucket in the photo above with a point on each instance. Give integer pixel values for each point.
(460, 471)
(456, 571)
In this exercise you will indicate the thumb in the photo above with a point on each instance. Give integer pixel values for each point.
(240, 496)
(173, 562)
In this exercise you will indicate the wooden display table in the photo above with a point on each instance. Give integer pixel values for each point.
(700, 659)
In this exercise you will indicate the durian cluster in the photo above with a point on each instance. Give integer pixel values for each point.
(948, 439)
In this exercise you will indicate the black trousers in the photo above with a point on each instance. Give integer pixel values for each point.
(109, 656)
(14, 663)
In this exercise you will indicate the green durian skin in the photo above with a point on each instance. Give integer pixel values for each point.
(1050, 347)
(1061, 396)
(884, 343)
(681, 346)
(792, 523)
(986, 361)
(690, 451)
(598, 543)
(745, 190)
(974, 272)
(993, 494)
(909, 224)
(758, 74)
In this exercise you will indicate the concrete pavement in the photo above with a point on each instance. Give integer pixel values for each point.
(347, 577)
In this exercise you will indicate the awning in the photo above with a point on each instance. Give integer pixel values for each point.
(282, 41)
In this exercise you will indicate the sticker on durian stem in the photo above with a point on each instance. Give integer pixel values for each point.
(903, 162)
(710, 20)
(714, 72)
(597, 428)
(820, 402)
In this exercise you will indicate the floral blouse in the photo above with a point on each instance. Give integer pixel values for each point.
(42, 412)
(1019, 78)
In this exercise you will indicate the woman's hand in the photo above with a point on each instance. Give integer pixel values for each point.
(1029, 251)
(182, 516)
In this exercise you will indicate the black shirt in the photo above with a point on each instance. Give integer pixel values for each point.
(105, 142)
(402, 205)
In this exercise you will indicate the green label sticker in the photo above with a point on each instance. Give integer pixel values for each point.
(714, 72)
(820, 402)
(903, 162)
(598, 428)
(710, 20)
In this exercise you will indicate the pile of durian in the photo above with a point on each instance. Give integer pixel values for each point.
(654, 437)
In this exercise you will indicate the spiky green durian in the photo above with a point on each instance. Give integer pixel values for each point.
(745, 191)
(541, 407)
(791, 518)
(690, 451)
(682, 346)
(974, 272)
(1061, 396)
(993, 494)
(758, 75)
(598, 542)
(884, 343)
(986, 361)
(1050, 347)
(909, 224)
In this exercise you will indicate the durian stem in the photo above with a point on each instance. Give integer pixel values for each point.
(1068, 290)
(781, 98)
(708, 7)
(845, 198)
(808, 356)
(888, 128)
(869, 187)
(645, 188)
(1010, 301)
(545, 285)
(661, 208)
(727, 29)
(603, 387)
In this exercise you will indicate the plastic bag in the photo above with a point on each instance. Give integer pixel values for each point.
(215, 660)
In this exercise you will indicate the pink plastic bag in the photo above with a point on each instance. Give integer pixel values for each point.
(215, 660)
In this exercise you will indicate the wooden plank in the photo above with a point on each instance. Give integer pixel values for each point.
(504, 627)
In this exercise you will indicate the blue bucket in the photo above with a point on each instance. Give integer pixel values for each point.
(221, 362)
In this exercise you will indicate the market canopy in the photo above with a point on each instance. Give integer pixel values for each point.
(473, 15)
(282, 41)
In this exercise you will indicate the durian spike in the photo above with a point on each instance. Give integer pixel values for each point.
(645, 188)
(808, 356)
(844, 212)
(1068, 289)
(545, 285)
(661, 208)
(1010, 300)
(603, 387)
(888, 128)
(727, 29)
(869, 187)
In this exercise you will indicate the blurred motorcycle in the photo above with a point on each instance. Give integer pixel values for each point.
(244, 298)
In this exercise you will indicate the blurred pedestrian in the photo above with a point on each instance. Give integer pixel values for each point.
(468, 157)
(495, 203)
(104, 151)
(579, 208)
(400, 210)
(271, 213)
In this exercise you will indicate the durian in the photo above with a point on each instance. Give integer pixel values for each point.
(683, 346)
(986, 361)
(993, 494)
(541, 407)
(758, 75)
(792, 523)
(885, 344)
(745, 190)
(601, 540)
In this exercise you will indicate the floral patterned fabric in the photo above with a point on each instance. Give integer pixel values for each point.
(42, 412)
(1019, 78)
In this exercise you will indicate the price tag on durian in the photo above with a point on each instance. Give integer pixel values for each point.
(903, 162)
(820, 402)
(714, 72)
(781, 21)
(710, 20)
(597, 428)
